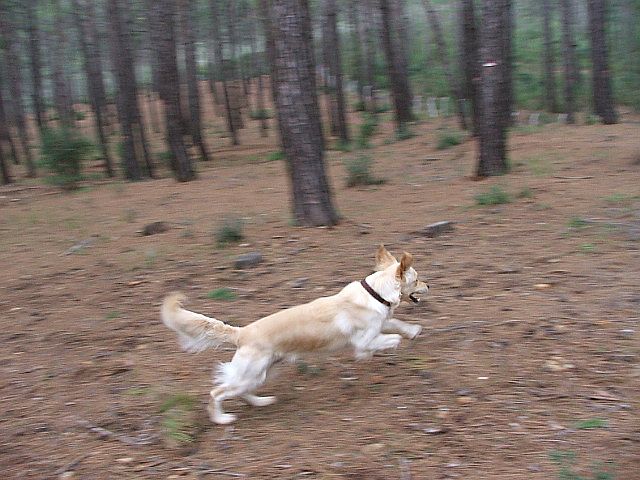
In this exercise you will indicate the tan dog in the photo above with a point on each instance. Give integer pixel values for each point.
(359, 316)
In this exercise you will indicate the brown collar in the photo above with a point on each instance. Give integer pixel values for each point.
(373, 293)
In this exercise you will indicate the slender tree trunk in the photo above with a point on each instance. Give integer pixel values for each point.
(61, 90)
(507, 65)
(166, 14)
(569, 59)
(470, 56)
(257, 62)
(298, 112)
(5, 134)
(328, 74)
(192, 77)
(331, 12)
(270, 54)
(217, 39)
(493, 159)
(153, 93)
(35, 60)
(434, 22)
(601, 75)
(356, 41)
(367, 12)
(550, 97)
(4, 165)
(83, 13)
(12, 58)
(396, 65)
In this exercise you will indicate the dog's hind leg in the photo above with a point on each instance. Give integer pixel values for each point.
(256, 401)
(407, 330)
(244, 374)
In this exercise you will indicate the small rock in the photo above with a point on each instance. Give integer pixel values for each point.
(435, 229)
(373, 448)
(155, 227)
(299, 282)
(542, 286)
(248, 260)
(66, 475)
(124, 460)
(464, 400)
(435, 430)
(627, 332)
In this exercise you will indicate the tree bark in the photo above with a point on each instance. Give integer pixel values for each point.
(368, 11)
(396, 61)
(61, 90)
(569, 59)
(4, 165)
(134, 144)
(166, 15)
(550, 97)
(333, 62)
(356, 40)
(5, 134)
(12, 58)
(507, 65)
(257, 66)
(84, 15)
(434, 22)
(35, 60)
(492, 130)
(298, 112)
(191, 70)
(603, 104)
(470, 57)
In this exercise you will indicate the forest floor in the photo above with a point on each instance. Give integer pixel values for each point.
(527, 366)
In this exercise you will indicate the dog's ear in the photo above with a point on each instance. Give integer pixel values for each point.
(383, 258)
(405, 263)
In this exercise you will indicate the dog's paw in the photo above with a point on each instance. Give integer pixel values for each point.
(256, 401)
(223, 418)
(392, 340)
(413, 331)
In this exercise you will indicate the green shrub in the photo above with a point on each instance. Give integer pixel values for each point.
(448, 139)
(62, 153)
(359, 106)
(359, 172)
(263, 114)
(495, 196)
(275, 156)
(404, 132)
(223, 293)
(367, 129)
(230, 231)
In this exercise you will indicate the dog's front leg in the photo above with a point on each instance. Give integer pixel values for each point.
(407, 330)
(379, 342)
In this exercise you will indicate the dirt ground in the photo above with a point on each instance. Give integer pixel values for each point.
(527, 367)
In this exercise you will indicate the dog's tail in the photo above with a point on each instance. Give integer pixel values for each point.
(196, 332)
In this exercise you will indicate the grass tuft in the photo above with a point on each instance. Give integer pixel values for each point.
(359, 172)
(230, 231)
(495, 196)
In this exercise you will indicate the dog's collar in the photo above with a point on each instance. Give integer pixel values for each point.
(373, 293)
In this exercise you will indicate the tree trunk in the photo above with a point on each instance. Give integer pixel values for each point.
(396, 62)
(366, 33)
(166, 15)
(12, 58)
(61, 90)
(550, 100)
(601, 76)
(298, 112)
(356, 40)
(83, 14)
(35, 63)
(257, 66)
(333, 63)
(217, 41)
(434, 22)
(470, 57)
(191, 70)
(5, 134)
(507, 65)
(4, 165)
(492, 130)
(569, 59)
(153, 93)
(134, 144)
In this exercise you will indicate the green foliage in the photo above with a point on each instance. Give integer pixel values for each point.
(526, 192)
(566, 459)
(223, 293)
(230, 231)
(177, 418)
(62, 152)
(166, 157)
(495, 196)
(577, 223)
(367, 129)
(275, 156)
(359, 106)
(359, 172)
(404, 132)
(263, 114)
(448, 139)
(591, 424)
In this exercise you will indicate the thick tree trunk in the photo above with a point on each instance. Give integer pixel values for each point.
(191, 70)
(134, 144)
(550, 97)
(83, 13)
(493, 160)
(396, 61)
(434, 22)
(333, 62)
(12, 58)
(603, 105)
(298, 112)
(569, 59)
(507, 65)
(35, 60)
(470, 57)
(166, 15)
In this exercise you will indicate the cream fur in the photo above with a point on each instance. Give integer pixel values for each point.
(351, 318)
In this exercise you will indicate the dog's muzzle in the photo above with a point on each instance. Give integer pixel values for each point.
(413, 298)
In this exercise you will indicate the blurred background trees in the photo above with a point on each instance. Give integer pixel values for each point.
(141, 68)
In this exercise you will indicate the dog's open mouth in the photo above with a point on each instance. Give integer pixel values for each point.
(413, 298)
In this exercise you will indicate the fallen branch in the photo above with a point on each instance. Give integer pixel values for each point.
(585, 177)
(141, 439)
(71, 465)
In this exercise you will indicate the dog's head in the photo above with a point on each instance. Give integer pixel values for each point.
(411, 287)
